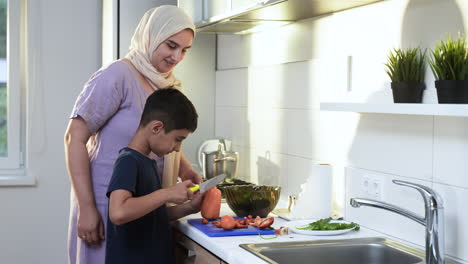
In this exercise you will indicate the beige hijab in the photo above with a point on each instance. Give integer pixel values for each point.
(156, 26)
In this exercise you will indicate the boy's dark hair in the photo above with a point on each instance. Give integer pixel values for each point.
(171, 107)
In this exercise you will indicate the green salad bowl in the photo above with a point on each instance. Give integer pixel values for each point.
(255, 200)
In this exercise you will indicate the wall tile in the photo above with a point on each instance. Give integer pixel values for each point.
(231, 87)
(297, 90)
(337, 132)
(329, 75)
(232, 123)
(456, 231)
(283, 86)
(263, 167)
(269, 167)
(244, 162)
(396, 144)
(451, 151)
(268, 130)
(232, 52)
(266, 86)
(303, 133)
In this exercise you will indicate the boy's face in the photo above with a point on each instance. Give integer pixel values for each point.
(162, 143)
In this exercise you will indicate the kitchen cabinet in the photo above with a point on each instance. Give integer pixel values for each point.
(216, 8)
(460, 110)
(194, 8)
(236, 4)
(242, 16)
(206, 10)
(188, 251)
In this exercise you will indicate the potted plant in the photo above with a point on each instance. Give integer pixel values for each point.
(406, 70)
(449, 63)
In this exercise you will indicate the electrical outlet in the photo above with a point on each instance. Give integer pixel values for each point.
(372, 186)
(365, 183)
(375, 190)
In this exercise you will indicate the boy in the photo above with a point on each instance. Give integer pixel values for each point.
(138, 228)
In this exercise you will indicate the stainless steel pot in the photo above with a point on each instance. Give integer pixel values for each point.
(210, 145)
(220, 161)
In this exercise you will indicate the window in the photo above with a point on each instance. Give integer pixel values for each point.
(12, 84)
(3, 79)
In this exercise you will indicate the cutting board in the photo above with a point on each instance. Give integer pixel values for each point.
(212, 231)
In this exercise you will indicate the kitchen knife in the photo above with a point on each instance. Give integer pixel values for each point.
(204, 186)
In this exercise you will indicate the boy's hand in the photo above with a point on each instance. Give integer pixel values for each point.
(180, 192)
(195, 203)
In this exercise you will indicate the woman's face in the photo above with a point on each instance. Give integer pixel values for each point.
(171, 51)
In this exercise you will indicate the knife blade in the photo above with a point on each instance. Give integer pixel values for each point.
(204, 186)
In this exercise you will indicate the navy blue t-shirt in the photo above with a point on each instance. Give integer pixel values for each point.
(147, 239)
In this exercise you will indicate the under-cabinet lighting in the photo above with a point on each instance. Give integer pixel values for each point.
(266, 25)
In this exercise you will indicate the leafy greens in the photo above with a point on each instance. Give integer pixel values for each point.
(326, 225)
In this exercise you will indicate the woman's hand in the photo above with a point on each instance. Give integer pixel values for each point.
(186, 171)
(90, 225)
(192, 175)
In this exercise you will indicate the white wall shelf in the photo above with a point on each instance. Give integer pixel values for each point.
(405, 109)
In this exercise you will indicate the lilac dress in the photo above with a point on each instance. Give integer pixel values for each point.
(111, 103)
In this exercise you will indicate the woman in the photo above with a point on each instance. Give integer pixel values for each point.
(105, 117)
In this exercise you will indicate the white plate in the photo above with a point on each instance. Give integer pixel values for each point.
(293, 225)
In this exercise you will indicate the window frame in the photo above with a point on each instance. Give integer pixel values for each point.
(13, 167)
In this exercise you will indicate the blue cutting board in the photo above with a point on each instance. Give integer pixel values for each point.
(212, 231)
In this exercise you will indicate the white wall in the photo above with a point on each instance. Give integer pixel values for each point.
(269, 86)
(197, 73)
(34, 220)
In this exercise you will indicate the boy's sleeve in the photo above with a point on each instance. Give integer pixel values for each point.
(124, 175)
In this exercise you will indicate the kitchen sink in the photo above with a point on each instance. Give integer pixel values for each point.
(343, 251)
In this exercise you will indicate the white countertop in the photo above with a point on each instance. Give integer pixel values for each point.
(227, 248)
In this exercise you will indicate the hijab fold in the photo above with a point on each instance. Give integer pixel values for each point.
(157, 25)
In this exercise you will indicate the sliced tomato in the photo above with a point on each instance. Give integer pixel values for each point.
(266, 223)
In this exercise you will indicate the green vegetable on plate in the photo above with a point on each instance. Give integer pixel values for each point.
(327, 225)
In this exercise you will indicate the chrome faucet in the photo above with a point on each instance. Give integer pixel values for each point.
(433, 219)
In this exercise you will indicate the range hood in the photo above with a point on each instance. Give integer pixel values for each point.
(277, 12)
